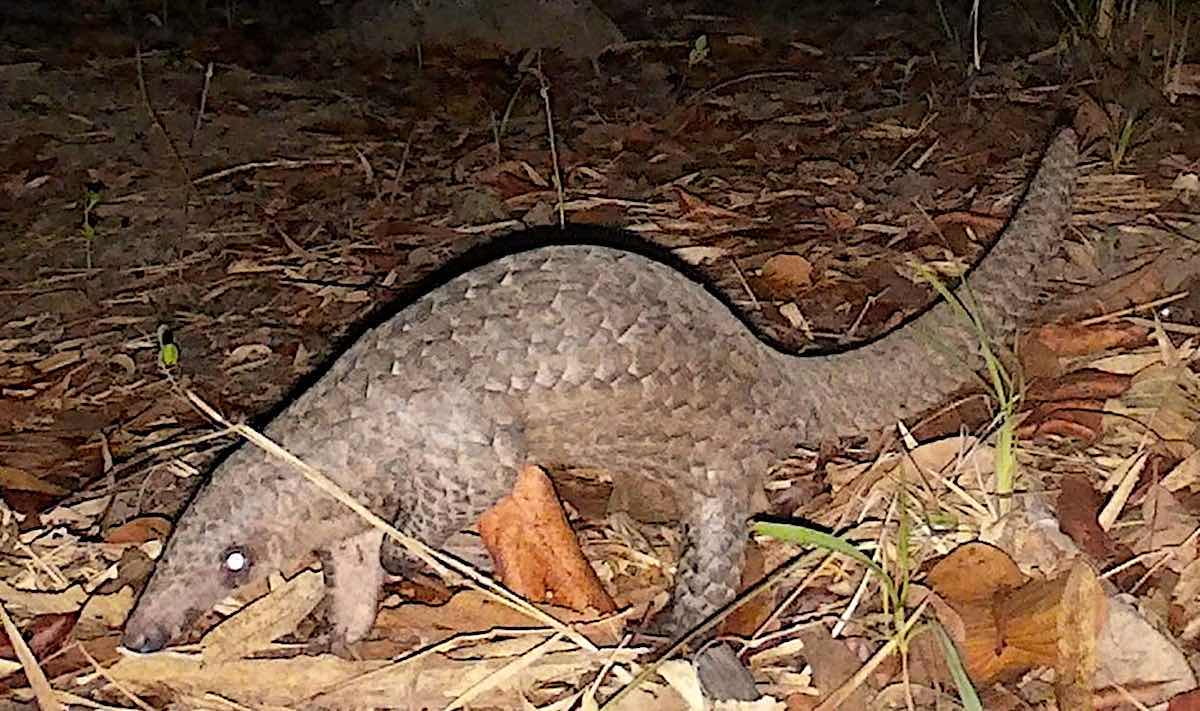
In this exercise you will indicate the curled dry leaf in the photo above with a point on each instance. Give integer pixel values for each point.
(249, 353)
(1074, 419)
(534, 549)
(1010, 625)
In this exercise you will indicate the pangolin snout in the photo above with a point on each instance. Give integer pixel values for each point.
(150, 639)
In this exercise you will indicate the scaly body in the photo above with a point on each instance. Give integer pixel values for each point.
(571, 354)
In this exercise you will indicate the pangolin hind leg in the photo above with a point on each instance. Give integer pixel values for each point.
(709, 570)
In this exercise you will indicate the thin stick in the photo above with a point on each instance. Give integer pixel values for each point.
(156, 120)
(558, 183)
(208, 73)
(280, 163)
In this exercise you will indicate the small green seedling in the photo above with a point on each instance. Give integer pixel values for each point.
(168, 352)
(699, 51)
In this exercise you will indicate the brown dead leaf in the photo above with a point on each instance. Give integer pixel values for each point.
(1168, 523)
(1082, 612)
(1185, 596)
(1009, 629)
(42, 691)
(1083, 384)
(140, 530)
(700, 254)
(837, 220)
(535, 550)
(14, 479)
(1168, 273)
(1185, 474)
(785, 274)
(37, 602)
(746, 619)
(1090, 120)
(1062, 428)
(281, 682)
(1075, 419)
(833, 663)
(473, 610)
(9, 529)
(1187, 701)
(1134, 653)
(251, 353)
(56, 361)
(1068, 340)
(948, 457)
(44, 634)
(1078, 509)
(985, 225)
(697, 209)
(108, 611)
(496, 674)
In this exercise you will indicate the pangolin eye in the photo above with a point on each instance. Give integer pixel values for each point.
(236, 562)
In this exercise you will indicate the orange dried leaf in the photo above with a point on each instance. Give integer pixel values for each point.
(1082, 612)
(535, 550)
(974, 572)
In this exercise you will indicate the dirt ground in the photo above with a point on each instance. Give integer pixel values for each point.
(252, 193)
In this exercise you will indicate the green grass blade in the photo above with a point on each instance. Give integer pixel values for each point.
(966, 690)
(806, 536)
